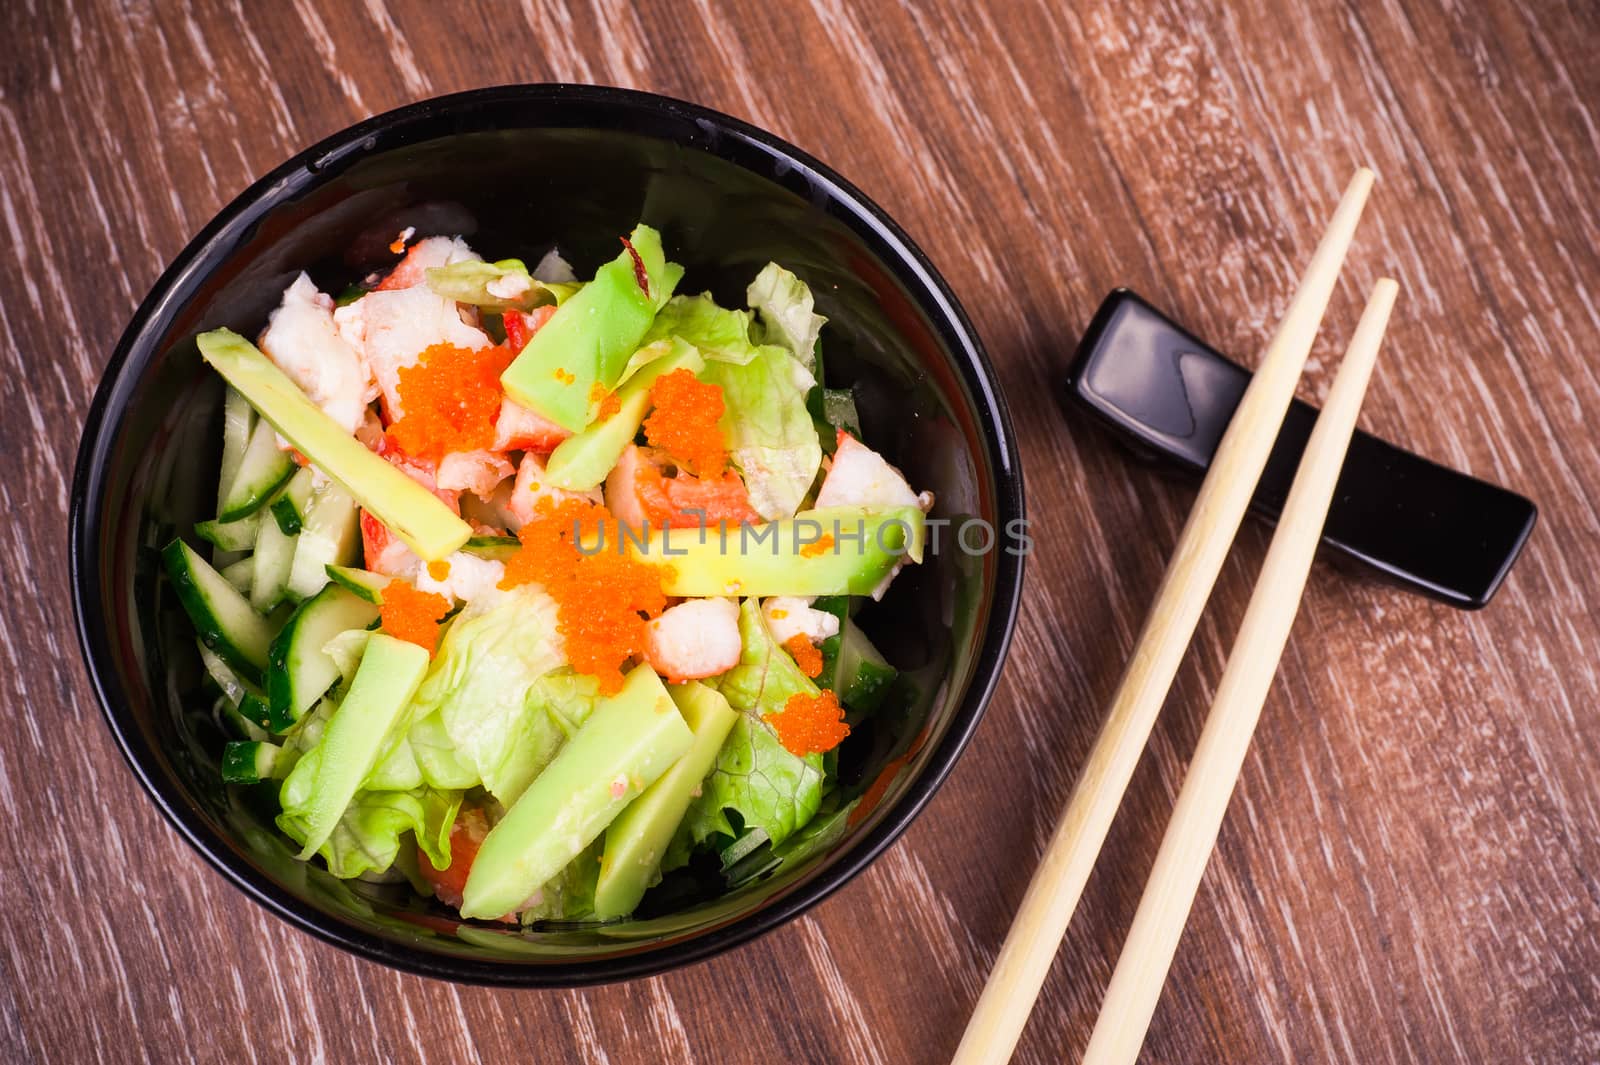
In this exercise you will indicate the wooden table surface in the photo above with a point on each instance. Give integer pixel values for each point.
(1410, 870)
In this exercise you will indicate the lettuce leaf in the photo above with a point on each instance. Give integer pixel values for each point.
(368, 836)
(754, 777)
(771, 437)
(485, 686)
(720, 334)
(569, 895)
(787, 316)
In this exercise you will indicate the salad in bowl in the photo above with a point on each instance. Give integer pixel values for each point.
(531, 591)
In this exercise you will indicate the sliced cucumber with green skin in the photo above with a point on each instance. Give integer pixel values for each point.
(288, 507)
(861, 676)
(330, 536)
(224, 619)
(839, 410)
(230, 535)
(263, 469)
(270, 564)
(239, 574)
(301, 671)
(250, 761)
(238, 422)
(495, 548)
(232, 721)
(362, 582)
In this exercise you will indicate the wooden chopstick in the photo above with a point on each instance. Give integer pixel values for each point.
(1053, 893)
(1192, 833)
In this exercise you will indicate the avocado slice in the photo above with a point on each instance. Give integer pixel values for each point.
(788, 557)
(389, 674)
(630, 740)
(415, 514)
(588, 340)
(638, 838)
(582, 460)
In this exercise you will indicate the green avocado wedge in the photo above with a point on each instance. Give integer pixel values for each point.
(414, 514)
(638, 838)
(627, 743)
(833, 551)
(582, 460)
(355, 735)
(579, 354)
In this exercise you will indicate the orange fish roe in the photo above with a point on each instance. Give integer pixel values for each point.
(410, 615)
(603, 598)
(804, 652)
(608, 403)
(450, 400)
(820, 547)
(439, 570)
(809, 724)
(684, 422)
(564, 375)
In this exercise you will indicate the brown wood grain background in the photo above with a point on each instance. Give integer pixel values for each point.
(1410, 870)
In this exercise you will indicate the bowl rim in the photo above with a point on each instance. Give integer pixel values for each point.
(135, 348)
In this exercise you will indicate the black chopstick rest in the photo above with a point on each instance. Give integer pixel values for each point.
(1420, 524)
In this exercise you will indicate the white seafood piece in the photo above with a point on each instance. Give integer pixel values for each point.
(859, 476)
(390, 328)
(479, 472)
(425, 255)
(303, 341)
(520, 429)
(789, 616)
(533, 485)
(554, 269)
(698, 638)
(468, 579)
(621, 489)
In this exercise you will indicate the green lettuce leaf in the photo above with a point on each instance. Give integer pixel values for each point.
(755, 777)
(488, 687)
(368, 836)
(569, 895)
(787, 318)
(720, 334)
(771, 437)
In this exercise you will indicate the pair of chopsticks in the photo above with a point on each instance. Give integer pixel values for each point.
(1191, 835)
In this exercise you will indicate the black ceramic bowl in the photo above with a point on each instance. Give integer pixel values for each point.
(516, 169)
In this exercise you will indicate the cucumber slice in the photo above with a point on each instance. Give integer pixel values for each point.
(494, 548)
(288, 507)
(839, 410)
(262, 471)
(269, 575)
(329, 536)
(245, 712)
(230, 535)
(301, 671)
(239, 574)
(231, 720)
(364, 583)
(238, 422)
(222, 617)
(862, 676)
(249, 761)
